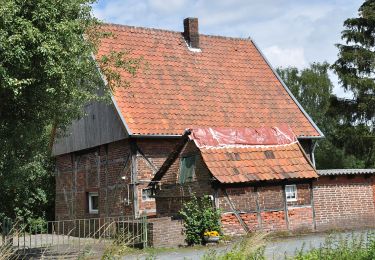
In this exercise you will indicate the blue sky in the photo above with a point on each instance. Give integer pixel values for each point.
(290, 33)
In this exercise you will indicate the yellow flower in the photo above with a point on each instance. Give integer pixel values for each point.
(211, 234)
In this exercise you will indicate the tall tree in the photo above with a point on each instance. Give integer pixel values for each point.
(47, 74)
(355, 65)
(355, 68)
(312, 87)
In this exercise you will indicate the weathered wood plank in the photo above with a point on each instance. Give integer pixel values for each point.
(101, 125)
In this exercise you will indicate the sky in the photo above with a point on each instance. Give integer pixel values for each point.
(289, 32)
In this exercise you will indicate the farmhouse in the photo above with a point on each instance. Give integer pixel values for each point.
(106, 160)
(208, 116)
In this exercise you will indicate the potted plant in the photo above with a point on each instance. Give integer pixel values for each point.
(211, 236)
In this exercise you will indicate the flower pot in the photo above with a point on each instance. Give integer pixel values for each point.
(211, 239)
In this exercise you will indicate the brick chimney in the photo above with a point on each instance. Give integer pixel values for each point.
(191, 32)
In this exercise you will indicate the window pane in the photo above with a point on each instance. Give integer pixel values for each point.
(94, 202)
(291, 192)
(187, 169)
(147, 194)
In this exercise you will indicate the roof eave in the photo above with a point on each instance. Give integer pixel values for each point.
(156, 136)
(310, 137)
(288, 91)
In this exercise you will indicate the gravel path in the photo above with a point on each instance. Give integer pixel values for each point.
(275, 249)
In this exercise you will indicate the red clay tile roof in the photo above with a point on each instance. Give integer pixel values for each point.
(227, 84)
(252, 163)
(247, 155)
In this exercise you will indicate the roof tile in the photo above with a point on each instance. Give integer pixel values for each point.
(254, 166)
(228, 84)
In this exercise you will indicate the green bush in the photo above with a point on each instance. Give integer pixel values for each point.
(199, 216)
(37, 225)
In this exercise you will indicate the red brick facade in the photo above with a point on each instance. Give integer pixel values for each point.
(344, 202)
(336, 202)
(263, 208)
(107, 170)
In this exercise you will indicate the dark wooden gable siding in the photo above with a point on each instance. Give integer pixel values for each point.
(101, 125)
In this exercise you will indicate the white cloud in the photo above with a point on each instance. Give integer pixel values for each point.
(170, 6)
(284, 57)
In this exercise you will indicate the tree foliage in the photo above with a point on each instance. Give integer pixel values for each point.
(47, 74)
(355, 65)
(312, 87)
(355, 68)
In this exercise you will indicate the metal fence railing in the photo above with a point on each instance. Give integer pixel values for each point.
(75, 235)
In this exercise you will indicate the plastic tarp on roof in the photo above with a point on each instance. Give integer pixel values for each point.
(217, 137)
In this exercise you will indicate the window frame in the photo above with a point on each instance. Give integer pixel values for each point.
(294, 187)
(90, 196)
(187, 180)
(149, 198)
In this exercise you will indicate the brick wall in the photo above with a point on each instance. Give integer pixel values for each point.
(344, 202)
(263, 208)
(101, 170)
(166, 232)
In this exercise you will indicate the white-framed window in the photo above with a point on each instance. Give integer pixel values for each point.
(93, 198)
(147, 195)
(291, 192)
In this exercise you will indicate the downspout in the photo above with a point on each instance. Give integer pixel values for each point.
(315, 143)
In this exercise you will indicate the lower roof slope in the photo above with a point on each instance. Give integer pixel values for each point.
(257, 154)
(228, 83)
(251, 163)
(247, 155)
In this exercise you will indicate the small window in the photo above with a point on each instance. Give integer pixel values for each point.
(147, 195)
(93, 203)
(291, 192)
(187, 169)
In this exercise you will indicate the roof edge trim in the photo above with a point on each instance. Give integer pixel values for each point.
(121, 116)
(102, 76)
(172, 157)
(288, 91)
(155, 136)
(310, 137)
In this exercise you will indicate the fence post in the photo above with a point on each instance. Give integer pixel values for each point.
(145, 229)
(7, 231)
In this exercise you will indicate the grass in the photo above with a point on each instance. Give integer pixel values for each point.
(336, 247)
(348, 247)
(250, 247)
(6, 252)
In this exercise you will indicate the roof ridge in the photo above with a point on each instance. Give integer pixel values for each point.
(176, 32)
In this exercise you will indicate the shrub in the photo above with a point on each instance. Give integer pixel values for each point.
(199, 216)
(37, 225)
